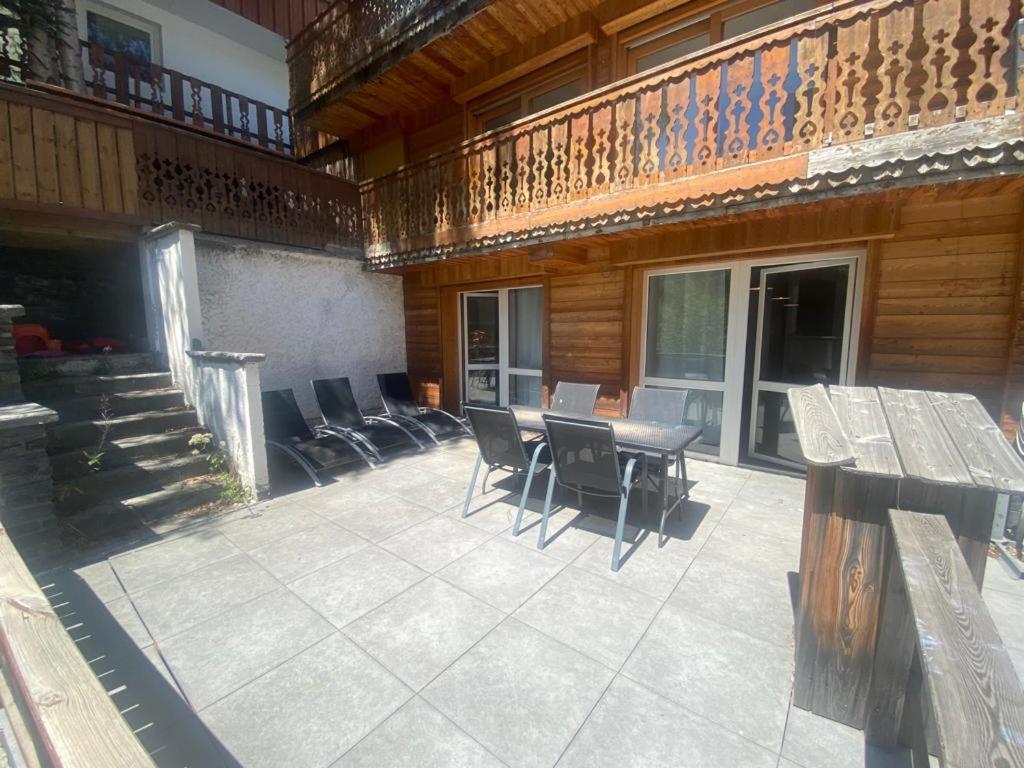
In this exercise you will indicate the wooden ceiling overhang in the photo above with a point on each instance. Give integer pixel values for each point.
(570, 225)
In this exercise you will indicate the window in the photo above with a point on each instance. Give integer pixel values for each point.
(122, 32)
(527, 98)
(678, 33)
(502, 355)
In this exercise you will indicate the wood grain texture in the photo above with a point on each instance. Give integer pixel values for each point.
(862, 419)
(74, 718)
(818, 428)
(976, 698)
(925, 448)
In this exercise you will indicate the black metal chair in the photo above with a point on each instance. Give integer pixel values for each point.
(502, 446)
(286, 430)
(575, 398)
(584, 457)
(663, 406)
(400, 406)
(343, 418)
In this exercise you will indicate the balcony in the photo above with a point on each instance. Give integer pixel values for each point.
(361, 38)
(747, 121)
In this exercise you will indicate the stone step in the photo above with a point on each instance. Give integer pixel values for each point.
(67, 387)
(86, 434)
(127, 450)
(117, 404)
(117, 483)
(110, 519)
(39, 368)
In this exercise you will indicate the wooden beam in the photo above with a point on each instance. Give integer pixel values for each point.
(558, 254)
(572, 36)
(845, 223)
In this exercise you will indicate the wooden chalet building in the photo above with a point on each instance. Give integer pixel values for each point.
(727, 196)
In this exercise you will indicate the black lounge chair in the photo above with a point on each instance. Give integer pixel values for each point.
(578, 399)
(502, 447)
(343, 419)
(584, 456)
(286, 431)
(400, 406)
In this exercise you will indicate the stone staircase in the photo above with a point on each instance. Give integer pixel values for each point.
(120, 449)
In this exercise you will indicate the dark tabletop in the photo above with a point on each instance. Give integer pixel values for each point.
(629, 433)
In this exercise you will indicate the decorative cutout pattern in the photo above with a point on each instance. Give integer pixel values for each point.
(869, 70)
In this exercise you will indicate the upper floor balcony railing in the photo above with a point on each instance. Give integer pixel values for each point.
(860, 70)
(166, 93)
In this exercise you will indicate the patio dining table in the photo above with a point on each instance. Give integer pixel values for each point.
(651, 437)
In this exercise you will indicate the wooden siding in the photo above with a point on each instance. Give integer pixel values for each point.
(71, 159)
(939, 310)
(286, 17)
(947, 292)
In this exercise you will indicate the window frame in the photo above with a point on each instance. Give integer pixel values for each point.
(153, 29)
(521, 91)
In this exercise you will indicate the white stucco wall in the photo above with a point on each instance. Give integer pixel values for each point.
(206, 41)
(313, 316)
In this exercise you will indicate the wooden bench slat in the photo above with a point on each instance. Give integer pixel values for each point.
(74, 718)
(987, 454)
(861, 417)
(976, 699)
(925, 448)
(822, 439)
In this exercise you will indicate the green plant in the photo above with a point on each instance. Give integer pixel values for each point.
(233, 491)
(94, 456)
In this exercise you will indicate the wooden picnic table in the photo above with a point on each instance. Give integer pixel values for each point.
(869, 450)
(665, 440)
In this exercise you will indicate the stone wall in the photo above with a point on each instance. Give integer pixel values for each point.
(312, 315)
(10, 379)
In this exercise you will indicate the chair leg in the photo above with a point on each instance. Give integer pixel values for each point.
(526, 489)
(472, 484)
(620, 527)
(541, 538)
(487, 474)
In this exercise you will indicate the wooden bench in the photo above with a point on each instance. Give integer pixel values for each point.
(60, 713)
(961, 697)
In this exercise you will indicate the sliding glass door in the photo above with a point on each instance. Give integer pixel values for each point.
(501, 342)
(686, 344)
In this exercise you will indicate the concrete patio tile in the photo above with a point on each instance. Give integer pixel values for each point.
(377, 520)
(645, 567)
(494, 513)
(438, 493)
(265, 523)
(633, 726)
(569, 533)
(156, 661)
(144, 567)
(308, 711)
(436, 542)
(1005, 608)
(747, 546)
(813, 741)
(182, 603)
(456, 465)
(741, 596)
(219, 656)
(423, 630)
(333, 499)
(520, 693)
(307, 551)
(603, 620)
(127, 617)
(749, 512)
(998, 577)
(345, 590)
(727, 676)
(501, 573)
(1017, 657)
(101, 579)
(415, 736)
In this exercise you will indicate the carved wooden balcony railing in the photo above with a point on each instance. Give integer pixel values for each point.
(360, 36)
(187, 99)
(863, 70)
(67, 155)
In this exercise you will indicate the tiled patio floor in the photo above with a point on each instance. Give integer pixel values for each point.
(366, 624)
